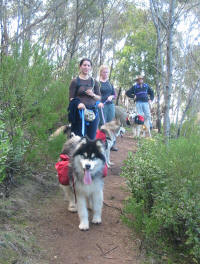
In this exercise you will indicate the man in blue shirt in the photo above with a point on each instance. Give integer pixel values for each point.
(142, 95)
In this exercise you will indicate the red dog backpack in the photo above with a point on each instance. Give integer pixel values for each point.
(139, 120)
(62, 168)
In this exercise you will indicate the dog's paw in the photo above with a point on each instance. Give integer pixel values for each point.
(96, 220)
(108, 164)
(72, 208)
(84, 226)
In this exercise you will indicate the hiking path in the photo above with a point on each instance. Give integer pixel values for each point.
(111, 242)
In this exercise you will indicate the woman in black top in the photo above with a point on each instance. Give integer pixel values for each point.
(107, 96)
(84, 93)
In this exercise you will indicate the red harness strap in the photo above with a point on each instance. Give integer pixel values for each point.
(102, 136)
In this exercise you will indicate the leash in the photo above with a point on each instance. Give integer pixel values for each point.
(83, 122)
(74, 189)
(102, 114)
(81, 112)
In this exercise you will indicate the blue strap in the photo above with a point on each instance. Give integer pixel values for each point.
(83, 122)
(81, 113)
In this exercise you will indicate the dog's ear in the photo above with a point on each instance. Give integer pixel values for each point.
(99, 142)
(84, 140)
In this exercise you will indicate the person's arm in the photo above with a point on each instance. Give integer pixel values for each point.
(96, 94)
(72, 89)
(151, 93)
(131, 92)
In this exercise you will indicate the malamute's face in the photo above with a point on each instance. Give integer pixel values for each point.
(89, 157)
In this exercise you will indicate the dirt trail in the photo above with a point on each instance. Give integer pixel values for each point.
(111, 242)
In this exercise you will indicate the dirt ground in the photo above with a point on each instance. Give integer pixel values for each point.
(111, 242)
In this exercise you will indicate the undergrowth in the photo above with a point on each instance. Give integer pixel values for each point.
(33, 103)
(165, 200)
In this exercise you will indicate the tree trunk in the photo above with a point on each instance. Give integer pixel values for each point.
(160, 80)
(118, 96)
(101, 36)
(158, 85)
(189, 103)
(169, 66)
(4, 31)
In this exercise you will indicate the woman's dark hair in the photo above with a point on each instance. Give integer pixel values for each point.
(85, 59)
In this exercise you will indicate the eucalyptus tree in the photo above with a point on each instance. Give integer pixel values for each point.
(191, 87)
(166, 16)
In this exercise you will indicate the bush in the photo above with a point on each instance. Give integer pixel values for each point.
(4, 150)
(33, 99)
(165, 203)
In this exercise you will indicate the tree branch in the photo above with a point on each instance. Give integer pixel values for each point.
(36, 22)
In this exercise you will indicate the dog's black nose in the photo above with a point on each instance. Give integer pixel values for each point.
(87, 166)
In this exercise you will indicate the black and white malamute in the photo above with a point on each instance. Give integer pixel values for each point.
(112, 130)
(137, 128)
(87, 165)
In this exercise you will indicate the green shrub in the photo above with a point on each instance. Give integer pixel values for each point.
(33, 99)
(165, 203)
(4, 150)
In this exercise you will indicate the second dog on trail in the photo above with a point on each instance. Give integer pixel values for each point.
(111, 130)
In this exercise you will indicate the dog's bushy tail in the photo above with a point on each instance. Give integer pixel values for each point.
(66, 129)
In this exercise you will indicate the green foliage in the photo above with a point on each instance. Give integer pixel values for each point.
(138, 53)
(165, 203)
(4, 150)
(32, 99)
(190, 126)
